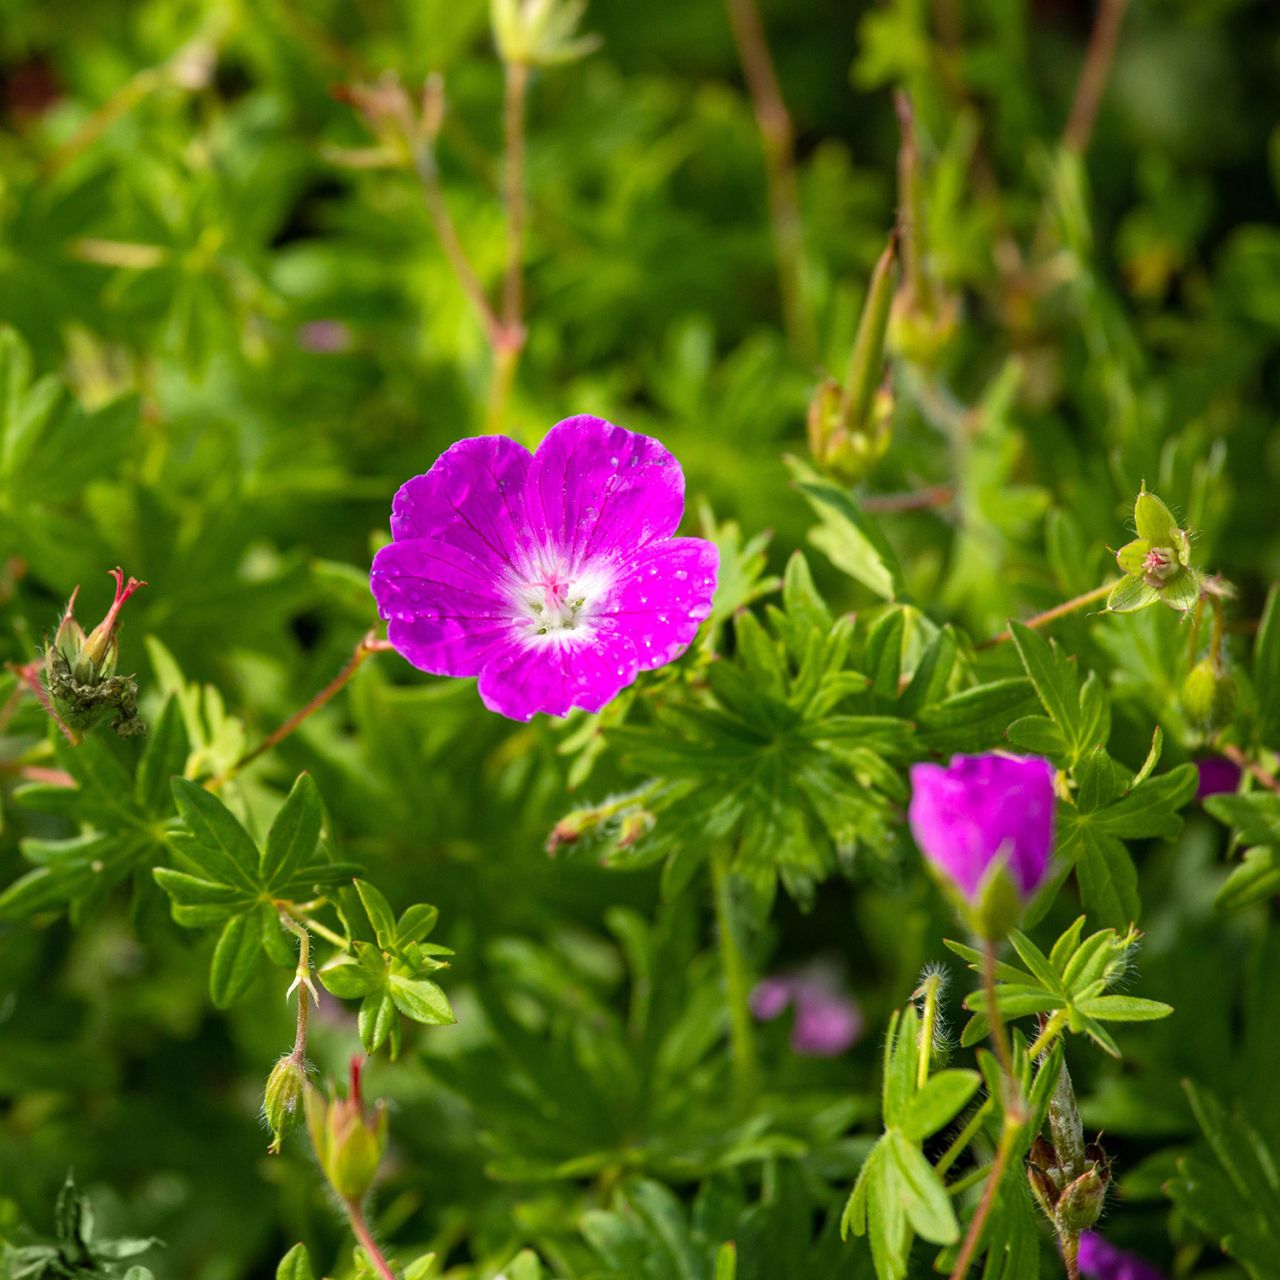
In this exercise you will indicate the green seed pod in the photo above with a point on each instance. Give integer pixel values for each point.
(1208, 694)
(282, 1099)
(1080, 1204)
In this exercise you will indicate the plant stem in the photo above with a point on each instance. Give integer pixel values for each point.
(517, 82)
(1014, 1108)
(1093, 75)
(1048, 1034)
(1252, 767)
(979, 1220)
(778, 137)
(737, 985)
(315, 926)
(938, 495)
(964, 1137)
(302, 981)
(360, 1229)
(1052, 615)
(1071, 1256)
(371, 642)
(451, 243)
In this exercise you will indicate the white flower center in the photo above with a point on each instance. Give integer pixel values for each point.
(556, 604)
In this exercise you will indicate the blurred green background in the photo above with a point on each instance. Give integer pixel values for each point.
(260, 339)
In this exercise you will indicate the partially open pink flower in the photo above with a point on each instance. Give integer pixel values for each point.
(1102, 1261)
(979, 808)
(554, 577)
(827, 1021)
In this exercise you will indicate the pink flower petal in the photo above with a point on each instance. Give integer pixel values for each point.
(599, 491)
(473, 498)
(557, 676)
(663, 595)
(449, 646)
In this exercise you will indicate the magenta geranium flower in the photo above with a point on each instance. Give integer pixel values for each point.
(552, 576)
(978, 808)
(1102, 1261)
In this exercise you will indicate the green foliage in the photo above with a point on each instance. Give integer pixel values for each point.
(229, 330)
(1070, 985)
(77, 1252)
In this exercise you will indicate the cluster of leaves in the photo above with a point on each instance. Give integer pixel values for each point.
(77, 1252)
(234, 334)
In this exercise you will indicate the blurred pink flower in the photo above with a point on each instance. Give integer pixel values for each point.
(325, 337)
(827, 1020)
(1102, 1261)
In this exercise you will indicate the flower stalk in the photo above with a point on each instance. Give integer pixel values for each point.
(733, 963)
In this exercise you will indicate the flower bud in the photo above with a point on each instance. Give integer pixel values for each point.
(985, 823)
(1208, 694)
(841, 447)
(348, 1144)
(282, 1099)
(540, 32)
(1080, 1204)
(79, 670)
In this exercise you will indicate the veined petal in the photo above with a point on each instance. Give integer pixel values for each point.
(420, 578)
(662, 595)
(449, 646)
(596, 491)
(554, 678)
(1182, 591)
(473, 498)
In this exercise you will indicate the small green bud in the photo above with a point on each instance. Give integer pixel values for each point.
(919, 334)
(1208, 694)
(1080, 1204)
(842, 447)
(348, 1144)
(282, 1100)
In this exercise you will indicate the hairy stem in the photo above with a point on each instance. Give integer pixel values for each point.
(1014, 1107)
(360, 1229)
(737, 983)
(371, 642)
(1093, 75)
(778, 136)
(1052, 615)
(1071, 1255)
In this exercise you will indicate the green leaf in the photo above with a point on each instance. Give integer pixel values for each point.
(377, 1021)
(1255, 815)
(421, 1000)
(295, 1265)
(977, 718)
(1038, 735)
(944, 1095)
(378, 909)
(293, 835)
(235, 959)
(852, 540)
(925, 1199)
(195, 901)
(1053, 677)
(1124, 1009)
(416, 923)
(1266, 671)
(165, 756)
(226, 850)
(352, 979)
(1256, 879)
